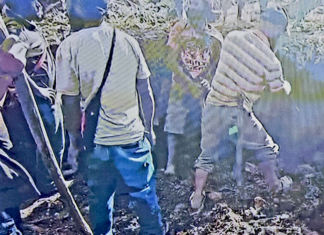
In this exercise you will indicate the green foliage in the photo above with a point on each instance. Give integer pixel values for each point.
(306, 43)
(155, 50)
(141, 18)
(55, 26)
(149, 21)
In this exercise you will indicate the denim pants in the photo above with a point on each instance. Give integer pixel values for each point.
(123, 169)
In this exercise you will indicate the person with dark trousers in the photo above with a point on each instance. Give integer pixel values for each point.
(18, 149)
(36, 56)
(17, 184)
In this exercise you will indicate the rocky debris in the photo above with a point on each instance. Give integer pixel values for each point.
(229, 209)
(226, 221)
(249, 209)
(305, 169)
(286, 183)
(251, 168)
(215, 196)
(259, 203)
(29, 210)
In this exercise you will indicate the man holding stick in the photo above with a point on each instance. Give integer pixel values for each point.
(247, 67)
(24, 85)
(14, 187)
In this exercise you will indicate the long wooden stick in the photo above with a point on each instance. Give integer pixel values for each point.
(37, 128)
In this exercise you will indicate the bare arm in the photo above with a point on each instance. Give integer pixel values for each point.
(45, 92)
(72, 118)
(72, 122)
(147, 105)
(67, 84)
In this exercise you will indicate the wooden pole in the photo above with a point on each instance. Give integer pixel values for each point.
(37, 128)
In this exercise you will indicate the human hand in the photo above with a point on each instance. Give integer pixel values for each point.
(287, 87)
(48, 93)
(205, 84)
(150, 135)
(6, 81)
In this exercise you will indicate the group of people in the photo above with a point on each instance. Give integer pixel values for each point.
(215, 82)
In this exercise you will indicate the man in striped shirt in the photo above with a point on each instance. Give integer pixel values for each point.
(247, 67)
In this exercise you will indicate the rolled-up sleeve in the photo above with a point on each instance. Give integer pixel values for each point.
(67, 82)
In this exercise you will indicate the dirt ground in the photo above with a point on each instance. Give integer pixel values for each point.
(229, 209)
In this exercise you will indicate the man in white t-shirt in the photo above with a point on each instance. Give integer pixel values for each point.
(122, 159)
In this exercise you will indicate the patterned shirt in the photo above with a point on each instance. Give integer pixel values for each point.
(247, 65)
(195, 56)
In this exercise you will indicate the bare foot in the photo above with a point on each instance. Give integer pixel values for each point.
(71, 171)
(197, 200)
(169, 170)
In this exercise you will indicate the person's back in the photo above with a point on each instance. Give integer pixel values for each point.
(247, 64)
(119, 121)
(121, 159)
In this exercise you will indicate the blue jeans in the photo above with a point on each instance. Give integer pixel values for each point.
(123, 169)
